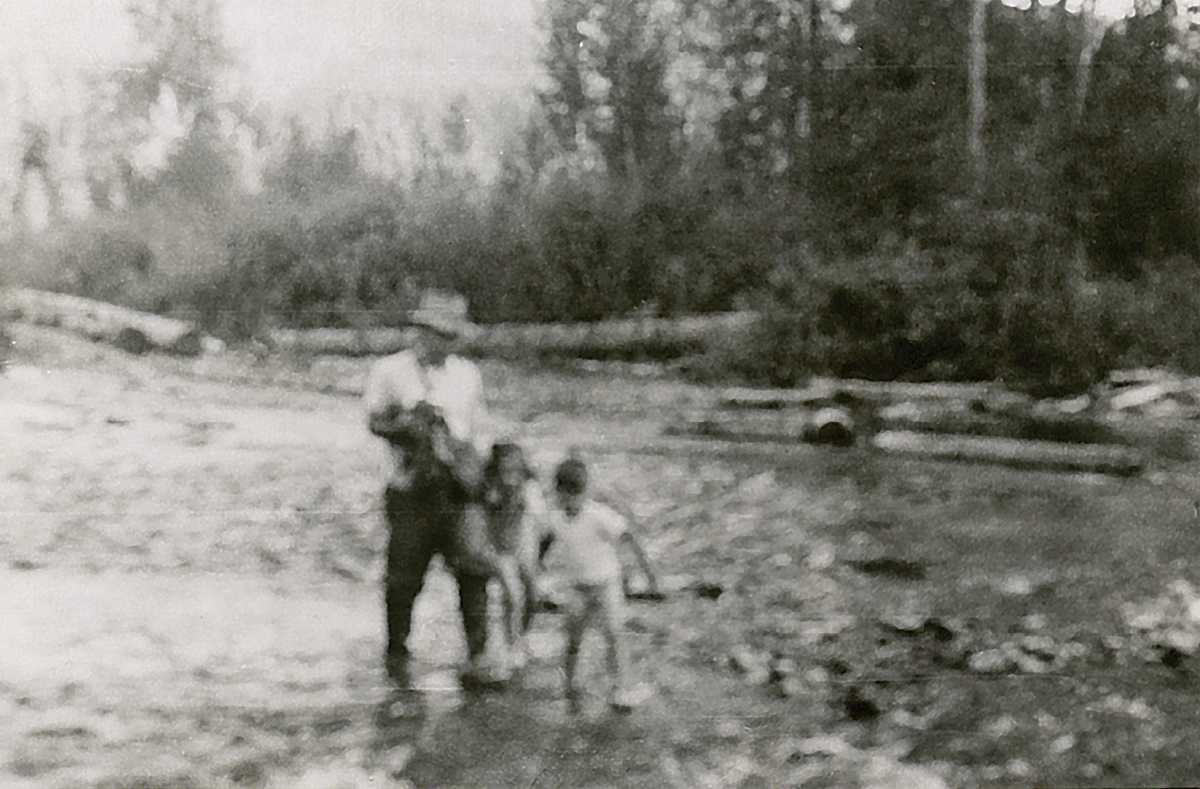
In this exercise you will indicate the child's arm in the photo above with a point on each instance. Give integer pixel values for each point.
(643, 563)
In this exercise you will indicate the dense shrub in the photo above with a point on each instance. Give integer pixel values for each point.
(990, 296)
(1153, 321)
(888, 315)
(1050, 343)
(973, 295)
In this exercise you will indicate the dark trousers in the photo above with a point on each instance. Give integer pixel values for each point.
(423, 521)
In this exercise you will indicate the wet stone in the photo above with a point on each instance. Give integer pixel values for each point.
(889, 567)
(1032, 623)
(859, 706)
(1039, 646)
(826, 745)
(707, 590)
(904, 624)
(990, 661)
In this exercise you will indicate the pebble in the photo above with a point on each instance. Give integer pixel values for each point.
(828, 745)
(784, 667)
(1019, 768)
(905, 622)
(750, 664)
(730, 728)
(1030, 664)
(396, 759)
(791, 687)
(1041, 646)
(1073, 649)
(1016, 586)
(1034, 622)
(1112, 642)
(1045, 720)
(908, 720)
(990, 661)
(817, 676)
(884, 772)
(1063, 744)
(820, 557)
(1186, 641)
(1000, 727)
(1140, 710)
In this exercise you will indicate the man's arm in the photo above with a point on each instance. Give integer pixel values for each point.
(478, 413)
(388, 399)
(395, 424)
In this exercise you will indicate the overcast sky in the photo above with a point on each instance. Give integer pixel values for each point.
(289, 50)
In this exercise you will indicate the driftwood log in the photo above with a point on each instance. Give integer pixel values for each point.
(342, 342)
(652, 337)
(1016, 453)
(130, 330)
(610, 339)
(831, 425)
(1066, 443)
(1065, 428)
(823, 391)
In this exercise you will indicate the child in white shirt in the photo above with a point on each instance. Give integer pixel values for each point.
(586, 539)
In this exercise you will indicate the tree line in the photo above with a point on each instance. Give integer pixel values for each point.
(905, 188)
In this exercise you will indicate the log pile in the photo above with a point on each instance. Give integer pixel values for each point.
(624, 338)
(1013, 452)
(342, 342)
(130, 330)
(1116, 429)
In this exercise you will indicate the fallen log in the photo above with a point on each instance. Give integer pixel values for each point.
(1063, 429)
(130, 330)
(1141, 375)
(1015, 453)
(766, 427)
(1165, 439)
(342, 342)
(1141, 396)
(621, 338)
(822, 391)
(830, 425)
(624, 338)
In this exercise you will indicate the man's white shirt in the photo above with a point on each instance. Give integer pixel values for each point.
(455, 388)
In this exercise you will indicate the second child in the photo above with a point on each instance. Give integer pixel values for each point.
(587, 536)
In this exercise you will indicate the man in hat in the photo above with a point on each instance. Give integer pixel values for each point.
(424, 509)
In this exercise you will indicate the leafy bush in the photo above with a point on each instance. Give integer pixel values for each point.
(1051, 343)
(992, 295)
(973, 295)
(885, 316)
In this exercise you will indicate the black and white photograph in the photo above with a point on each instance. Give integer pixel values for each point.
(550, 394)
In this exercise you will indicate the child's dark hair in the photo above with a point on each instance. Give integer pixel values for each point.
(571, 476)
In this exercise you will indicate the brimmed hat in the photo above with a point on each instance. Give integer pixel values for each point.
(444, 313)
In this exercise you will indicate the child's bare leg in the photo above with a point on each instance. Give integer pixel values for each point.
(513, 595)
(514, 609)
(528, 580)
(576, 622)
(611, 622)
